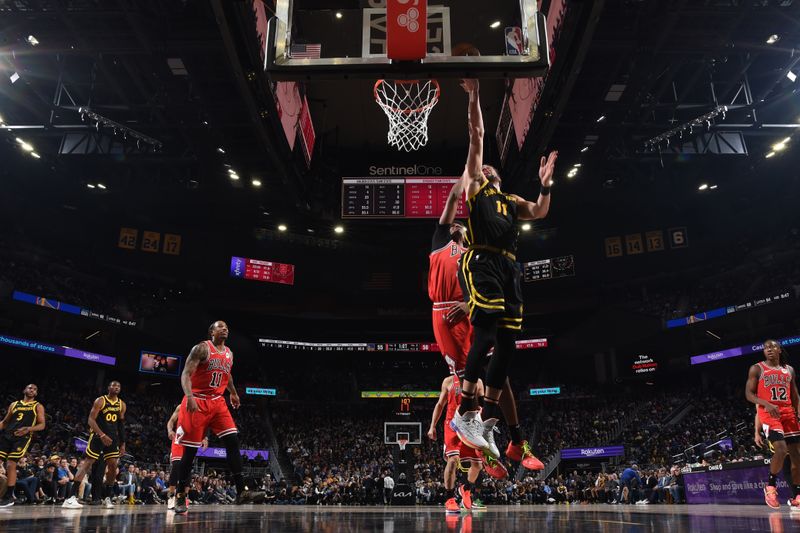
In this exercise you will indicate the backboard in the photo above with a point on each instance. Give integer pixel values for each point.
(412, 431)
(344, 39)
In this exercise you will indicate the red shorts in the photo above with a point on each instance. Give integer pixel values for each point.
(211, 414)
(175, 452)
(454, 446)
(454, 340)
(787, 424)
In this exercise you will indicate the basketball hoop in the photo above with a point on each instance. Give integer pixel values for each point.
(407, 104)
(402, 443)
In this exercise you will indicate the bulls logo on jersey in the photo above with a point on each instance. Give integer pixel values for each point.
(455, 250)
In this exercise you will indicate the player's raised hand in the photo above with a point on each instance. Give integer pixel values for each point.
(470, 85)
(546, 168)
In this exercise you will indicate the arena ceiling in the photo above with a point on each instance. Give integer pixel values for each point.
(181, 73)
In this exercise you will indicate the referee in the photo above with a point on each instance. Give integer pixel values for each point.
(492, 278)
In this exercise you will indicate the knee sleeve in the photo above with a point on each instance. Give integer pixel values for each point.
(233, 452)
(504, 350)
(173, 474)
(185, 467)
(484, 340)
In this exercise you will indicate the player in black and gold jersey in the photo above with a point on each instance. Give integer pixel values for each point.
(107, 437)
(23, 418)
(492, 278)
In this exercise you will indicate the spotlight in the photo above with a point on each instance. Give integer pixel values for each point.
(14, 77)
(577, 165)
(101, 186)
(777, 147)
(256, 183)
(339, 14)
(495, 24)
(786, 140)
(27, 147)
(770, 154)
(703, 187)
(90, 185)
(234, 176)
(37, 156)
(282, 227)
(792, 76)
(713, 187)
(774, 38)
(221, 150)
(526, 227)
(33, 41)
(339, 229)
(601, 118)
(584, 149)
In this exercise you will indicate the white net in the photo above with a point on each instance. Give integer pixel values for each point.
(407, 104)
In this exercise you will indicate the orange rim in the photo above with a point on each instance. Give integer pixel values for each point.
(427, 106)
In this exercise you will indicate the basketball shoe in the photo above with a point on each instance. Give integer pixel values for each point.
(489, 429)
(771, 496)
(493, 467)
(521, 453)
(451, 506)
(469, 428)
(466, 497)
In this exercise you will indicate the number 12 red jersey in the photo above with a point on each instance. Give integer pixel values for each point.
(775, 385)
(212, 375)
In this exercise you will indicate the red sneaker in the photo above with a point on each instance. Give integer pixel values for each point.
(451, 506)
(771, 496)
(466, 497)
(794, 503)
(494, 468)
(521, 453)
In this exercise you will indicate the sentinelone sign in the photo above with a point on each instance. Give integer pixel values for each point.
(593, 453)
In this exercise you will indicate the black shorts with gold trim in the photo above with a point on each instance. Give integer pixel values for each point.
(95, 447)
(13, 447)
(492, 284)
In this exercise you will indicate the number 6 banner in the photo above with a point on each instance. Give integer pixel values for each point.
(406, 29)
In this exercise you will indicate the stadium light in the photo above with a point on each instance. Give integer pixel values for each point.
(770, 154)
(339, 14)
(526, 227)
(339, 229)
(774, 38)
(282, 227)
(101, 186)
(234, 176)
(495, 24)
(601, 118)
(33, 41)
(703, 187)
(37, 156)
(90, 185)
(584, 149)
(256, 183)
(221, 150)
(779, 147)
(27, 147)
(713, 187)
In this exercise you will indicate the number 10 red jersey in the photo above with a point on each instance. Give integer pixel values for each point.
(212, 375)
(775, 385)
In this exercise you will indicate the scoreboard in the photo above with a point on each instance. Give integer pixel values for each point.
(255, 269)
(557, 267)
(415, 197)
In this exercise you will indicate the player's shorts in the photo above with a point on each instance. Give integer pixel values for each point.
(212, 413)
(493, 283)
(13, 447)
(95, 447)
(175, 452)
(787, 425)
(454, 446)
(454, 340)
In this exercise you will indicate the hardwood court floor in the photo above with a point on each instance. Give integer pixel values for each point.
(506, 519)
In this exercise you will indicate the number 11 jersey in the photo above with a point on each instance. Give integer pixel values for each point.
(212, 375)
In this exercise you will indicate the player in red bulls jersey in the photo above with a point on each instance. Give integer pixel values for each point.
(771, 386)
(175, 456)
(205, 378)
(455, 451)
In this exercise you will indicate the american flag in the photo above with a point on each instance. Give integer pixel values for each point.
(306, 51)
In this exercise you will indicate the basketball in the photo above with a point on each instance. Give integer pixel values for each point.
(465, 49)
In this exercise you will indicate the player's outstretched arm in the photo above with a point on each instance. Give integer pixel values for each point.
(473, 176)
(534, 210)
(751, 391)
(451, 205)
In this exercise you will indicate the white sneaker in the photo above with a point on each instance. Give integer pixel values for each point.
(489, 427)
(108, 504)
(71, 503)
(469, 428)
(171, 503)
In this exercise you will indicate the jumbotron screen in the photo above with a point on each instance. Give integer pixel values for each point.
(413, 197)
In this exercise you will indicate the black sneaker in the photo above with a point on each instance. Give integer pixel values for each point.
(6, 502)
(180, 504)
(94, 502)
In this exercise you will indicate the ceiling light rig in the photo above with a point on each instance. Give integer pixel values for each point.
(101, 122)
(663, 140)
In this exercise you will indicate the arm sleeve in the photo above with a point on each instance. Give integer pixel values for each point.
(441, 236)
